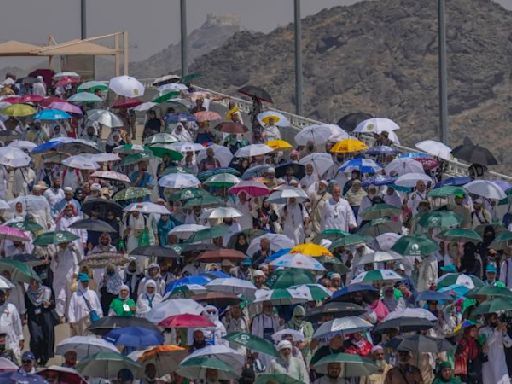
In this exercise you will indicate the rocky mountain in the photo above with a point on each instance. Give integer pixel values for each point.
(380, 57)
(215, 31)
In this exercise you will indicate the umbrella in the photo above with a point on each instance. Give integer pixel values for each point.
(105, 118)
(460, 234)
(129, 149)
(203, 176)
(409, 180)
(385, 275)
(65, 375)
(84, 97)
(435, 148)
(404, 324)
(232, 128)
(21, 378)
(147, 207)
(27, 258)
(345, 326)
(282, 296)
(490, 291)
(319, 134)
(4, 283)
(186, 321)
(501, 240)
(218, 255)
(415, 245)
(321, 162)
(281, 196)
(26, 225)
(421, 343)
(297, 170)
(264, 118)
(334, 310)
(222, 154)
(349, 146)
(52, 114)
(66, 107)
(207, 116)
(155, 251)
(253, 91)
(93, 225)
(223, 180)
(350, 121)
(196, 368)
(18, 110)
(166, 358)
(251, 188)
(23, 145)
(276, 242)
(184, 231)
(279, 145)
(84, 346)
(13, 157)
(102, 206)
(123, 103)
(361, 165)
(253, 150)
(351, 365)
(433, 296)
(403, 166)
(172, 87)
(160, 138)
(175, 307)
(7, 365)
(276, 378)
(379, 226)
(55, 237)
(378, 180)
(485, 188)
(175, 118)
(167, 96)
(219, 299)
(126, 86)
(381, 150)
(60, 75)
(285, 278)
(145, 106)
(298, 261)
(256, 171)
(454, 181)
(138, 157)
(346, 292)
(315, 291)
(379, 257)
(202, 201)
(106, 365)
(347, 241)
(80, 162)
(209, 233)
(111, 175)
(442, 192)
(467, 281)
(438, 219)
(13, 234)
(224, 212)
(92, 86)
(179, 180)
(376, 125)
(134, 337)
(19, 271)
(380, 210)
(165, 79)
(232, 285)
(252, 342)
(311, 249)
(107, 323)
(474, 154)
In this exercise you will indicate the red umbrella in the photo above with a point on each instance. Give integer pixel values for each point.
(47, 75)
(13, 99)
(186, 321)
(250, 187)
(31, 99)
(207, 116)
(48, 100)
(229, 127)
(221, 254)
(428, 163)
(64, 375)
(127, 103)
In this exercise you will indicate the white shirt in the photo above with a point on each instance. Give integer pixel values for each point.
(10, 324)
(338, 214)
(78, 308)
(54, 196)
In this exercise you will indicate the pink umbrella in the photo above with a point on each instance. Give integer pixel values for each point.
(13, 234)
(252, 188)
(207, 116)
(66, 107)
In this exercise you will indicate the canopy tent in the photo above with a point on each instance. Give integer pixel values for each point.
(17, 48)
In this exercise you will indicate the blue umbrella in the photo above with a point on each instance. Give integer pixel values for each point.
(454, 181)
(52, 114)
(361, 165)
(189, 280)
(378, 181)
(256, 171)
(341, 294)
(45, 147)
(381, 150)
(433, 296)
(18, 377)
(278, 254)
(177, 117)
(414, 155)
(135, 337)
(215, 275)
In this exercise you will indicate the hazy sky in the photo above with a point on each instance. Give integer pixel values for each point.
(152, 24)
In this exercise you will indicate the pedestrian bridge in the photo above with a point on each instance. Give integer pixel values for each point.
(454, 168)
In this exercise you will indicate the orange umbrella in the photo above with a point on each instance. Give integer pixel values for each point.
(165, 357)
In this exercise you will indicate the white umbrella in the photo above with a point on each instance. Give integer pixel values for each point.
(4, 205)
(186, 146)
(135, 148)
(346, 325)
(387, 240)
(101, 157)
(173, 307)
(411, 312)
(279, 119)
(281, 196)
(172, 87)
(13, 157)
(7, 365)
(228, 355)
(145, 106)
(232, 285)
(379, 257)
(253, 150)
(126, 86)
(23, 145)
(80, 162)
(65, 74)
(409, 180)
(319, 134)
(5, 284)
(224, 212)
(435, 148)
(105, 118)
(402, 166)
(147, 207)
(320, 161)
(485, 188)
(184, 231)
(277, 242)
(298, 261)
(297, 336)
(223, 154)
(376, 125)
(165, 78)
(179, 180)
(112, 175)
(84, 346)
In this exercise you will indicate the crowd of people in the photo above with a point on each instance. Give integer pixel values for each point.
(211, 250)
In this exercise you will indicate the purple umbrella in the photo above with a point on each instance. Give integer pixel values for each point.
(66, 107)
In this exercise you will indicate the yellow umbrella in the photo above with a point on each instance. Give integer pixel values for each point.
(19, 110)
(311, 249)
(349, 146)
(279, 144)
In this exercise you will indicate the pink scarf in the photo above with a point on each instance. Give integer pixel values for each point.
(381, 311)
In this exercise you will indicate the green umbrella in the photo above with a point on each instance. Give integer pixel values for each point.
(498, 228)
(209, 233)
(18, 270)
(202, 176)
(316, 291)
(191, 76)
(222, 180)
(348, 240)
(468, 281)
(493, 305)
(501, 240)
(166, 97)
(254, 343)
(337, 265)
(502, 292)
(195, 368)
(284, 296)
(285, 278)
(446, 191)
(439, 219)
(106, 365)
(160, 138)
(379, 226)
(415, 245)
(331, 234)
(55, 237)
(203, 201)
(381, 210)
(92, 86)
(137, 157)
(26, 225)
(129, 149)
(84, 97)
(352, 365)
(460, 234)
(131, 193)
(160, 151)
(276, 378)
(187, 194)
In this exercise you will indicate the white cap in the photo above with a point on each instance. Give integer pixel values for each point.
(68, 189)
(258, 273)
(95, 187)
(284, 344)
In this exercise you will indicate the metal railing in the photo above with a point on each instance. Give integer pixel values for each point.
(454, 167)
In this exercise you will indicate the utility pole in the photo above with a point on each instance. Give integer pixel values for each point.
(184, 38)
(443, 75)
(298, 57)
(83, 18)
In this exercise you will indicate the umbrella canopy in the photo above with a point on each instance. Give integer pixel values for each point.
(92, 86)
(125, 103)
(80, 162)
(105, 118)
(174, 307)
(106, 365)
(311, 249)
(160, 138)
(272, 118)
(321, 162)
(232, 285)
(435, 148)
(298, 261)
(13, 157)
(257, 92)
(345, 293)
(349, 146)
(222, 154)
(406, 324)
(223, 180)
(155, 251)
(18, 378)
(224, 212)
(409, 180)
(281, 196)
(474, 154)
(446, 191)
(252, 342)
(362, 165)
(485, 188)
(147, 207)
(232, 128)
(319, 134)
(136, 337)
(210, 233)
(348, 240)
(379, 257)
(468, 281)
(84, 97)
(166, 358)
(196, 368)
(380, 210)
(66, 375)
(279, 145)
(282, 296)
(344, 326)
(351, 365)
(439, 219)
(334, 310)
(13, 234)
(379, 226)
(23, 145)
(26, 225)
(184, 231)
(55, 237)
(84, 346)
(385, 275)
(111, 175)
(93, 225)
(285, 278)
(18, 110)
(7, 365)
(101, 206)
(460, 234)
(376, 125)
(421, 343)
(490, 292)
(126, 86)
(179, 180)
(162, 150)
(66, 107)
(107, 323)
(415, 245)
(403, 166)
(207, 116)
(186, 321)
(52, 114)
(253, 150)
(217, 256)
(251, 188)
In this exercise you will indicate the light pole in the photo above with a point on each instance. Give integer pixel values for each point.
(298, 57)
(184, 38)
(443, 76)
(83, 18)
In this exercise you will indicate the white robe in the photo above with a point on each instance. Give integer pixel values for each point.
(143, 305)
(10, 324)
(495, 370)
(53, 196)
(338, 215)
(293, 222)
(64, 266)
(78, 308)
(428, 273)
(64, 224)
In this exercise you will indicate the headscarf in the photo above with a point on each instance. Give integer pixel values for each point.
(214, 317)
(298, 317)
(114, 282)
(121, 288)
(164, 227)
(36, 296)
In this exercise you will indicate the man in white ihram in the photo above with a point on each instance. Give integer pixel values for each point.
(10, 323)
(337, 212)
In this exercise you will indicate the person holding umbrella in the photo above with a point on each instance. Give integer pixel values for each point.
(404, 372)
(289, 365)
(84, 307)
